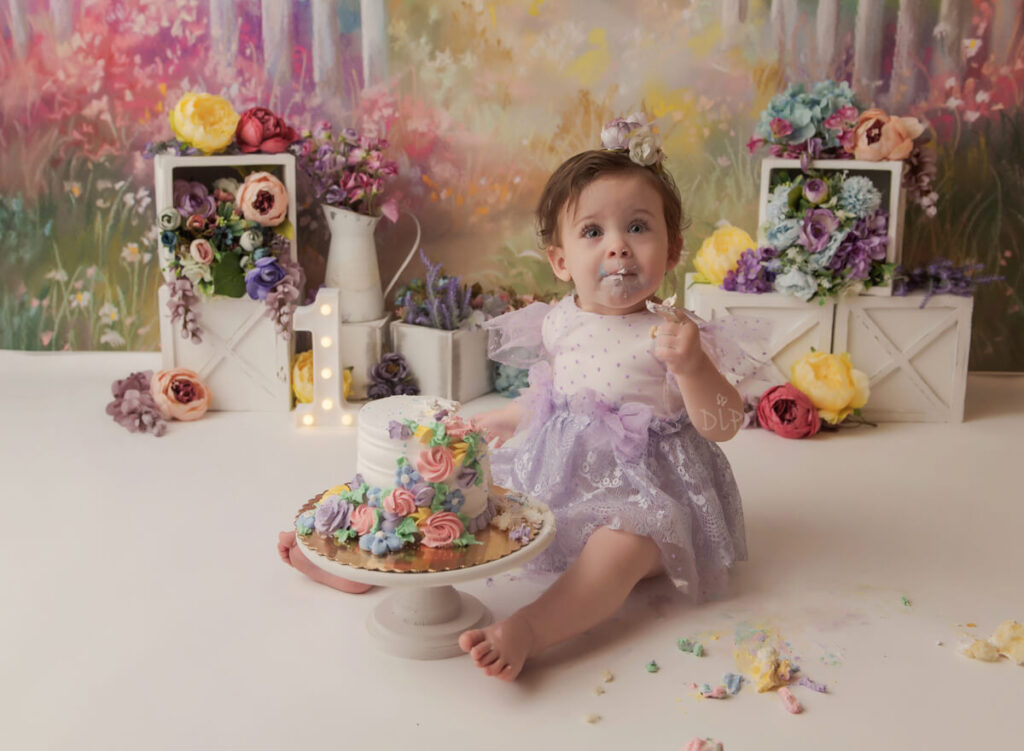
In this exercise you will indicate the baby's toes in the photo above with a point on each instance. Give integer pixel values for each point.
(495, 667)
(488, 659)
(470, 639)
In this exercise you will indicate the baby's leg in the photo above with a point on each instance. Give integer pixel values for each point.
(286, 549)
(589, 592)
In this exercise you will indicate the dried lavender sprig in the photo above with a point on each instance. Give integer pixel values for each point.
(940, 277)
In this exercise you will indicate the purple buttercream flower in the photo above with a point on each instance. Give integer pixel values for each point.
(438, 416)
(192, 197)
(332, 514)
(521, 534)
(398, 431)
(815, 190)
(818, 225)
(466, 477)
(262, 279)
(423, 493)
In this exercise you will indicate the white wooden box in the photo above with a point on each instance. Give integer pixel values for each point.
(887, 176)
(449, 364)
(796, 326)
(242, 359)
(916, 358)
(362, 346)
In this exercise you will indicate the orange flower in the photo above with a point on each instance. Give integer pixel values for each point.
(179, 394)
(880, 137)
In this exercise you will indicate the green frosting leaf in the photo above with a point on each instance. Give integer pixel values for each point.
(342, 536)
(376, 521)
(407, 530)
(441, 437)
(228, 279)
(440, 496)
(465, 540)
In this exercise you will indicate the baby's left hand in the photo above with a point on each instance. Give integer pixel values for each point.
(677, 344)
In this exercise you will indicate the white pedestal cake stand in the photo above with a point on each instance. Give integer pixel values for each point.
(423, 618)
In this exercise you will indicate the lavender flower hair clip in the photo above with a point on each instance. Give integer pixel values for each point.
(634, 135)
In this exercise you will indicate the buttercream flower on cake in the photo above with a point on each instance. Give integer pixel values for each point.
(179, 394)
(435, 464)
(205, 121)
(400, 502)
(263, 199)
(832, 384)
(441, 530)
(363, 519)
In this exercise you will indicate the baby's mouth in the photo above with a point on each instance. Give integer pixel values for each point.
(621, 273)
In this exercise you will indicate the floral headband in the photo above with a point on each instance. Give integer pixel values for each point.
(633, 135)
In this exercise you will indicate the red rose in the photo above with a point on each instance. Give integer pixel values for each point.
(259, 129)
(787, 411)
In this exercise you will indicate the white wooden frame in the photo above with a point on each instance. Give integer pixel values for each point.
(889, 181)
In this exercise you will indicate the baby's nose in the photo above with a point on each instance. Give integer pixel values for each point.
(620, 250)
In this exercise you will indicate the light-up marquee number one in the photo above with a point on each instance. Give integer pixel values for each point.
(323, 320)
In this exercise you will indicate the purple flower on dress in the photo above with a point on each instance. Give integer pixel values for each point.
(331, 514)
(399, 431)
(192, 197)
(423, 493)
(262, 279)
(818, 226)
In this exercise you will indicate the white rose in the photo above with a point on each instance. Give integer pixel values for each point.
(643, 147)
(227, 184)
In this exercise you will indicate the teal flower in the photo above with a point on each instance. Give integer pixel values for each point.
(859, 196)
(796, 283)
(783, 234)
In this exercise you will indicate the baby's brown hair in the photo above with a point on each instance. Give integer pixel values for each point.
(574, 174)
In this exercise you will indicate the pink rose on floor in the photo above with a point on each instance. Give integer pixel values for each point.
(441, 530)
(259, 129)
(201, 250)
(362, 519)
(787, 411)
(179, 394)
(400, 502)
(435, 464)
(263, 199)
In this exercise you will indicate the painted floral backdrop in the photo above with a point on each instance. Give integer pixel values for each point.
(480, 101)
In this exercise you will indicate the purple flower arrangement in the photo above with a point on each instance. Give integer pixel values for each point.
(134, 407)
(229, 239)
(940, 278)
(440, 302)
(348, 170)
(825, 234)
(391, 377)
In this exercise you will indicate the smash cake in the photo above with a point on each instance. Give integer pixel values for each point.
(423, 482)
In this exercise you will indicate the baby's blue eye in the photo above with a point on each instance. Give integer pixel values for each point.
(637, 227)
(591, 232)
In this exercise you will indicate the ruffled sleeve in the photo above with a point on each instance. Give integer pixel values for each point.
(737, 345)
(515, 338)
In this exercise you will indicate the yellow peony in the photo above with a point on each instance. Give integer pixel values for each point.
(206, 121)
(346, 383)
(720, 253)
(832, 384)
(302, 377)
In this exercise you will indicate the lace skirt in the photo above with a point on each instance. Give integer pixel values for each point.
(621, 467)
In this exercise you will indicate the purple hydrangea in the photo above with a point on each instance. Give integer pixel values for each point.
(755, 271)
(865, 245)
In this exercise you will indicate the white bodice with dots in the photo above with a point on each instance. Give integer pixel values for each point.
(612, 355)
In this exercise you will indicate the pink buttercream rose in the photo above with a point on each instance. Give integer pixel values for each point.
(362, 519)
(201, 250)
(435, 464)
(179, 394)
(400, 502)
(458, 428)
(441, 530)
(263, 199)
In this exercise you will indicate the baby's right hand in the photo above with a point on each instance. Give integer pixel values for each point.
(498, 425)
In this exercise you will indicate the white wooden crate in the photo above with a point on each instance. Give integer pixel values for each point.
(887, 177)
(449, 364)
(362, 346)
(242, 359)
(797, 326)
(916, 358)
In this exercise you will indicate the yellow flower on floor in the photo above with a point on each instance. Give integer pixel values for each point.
(424, 435)
(302, 377)
(832, 384)
(206, 121)
(720, 252)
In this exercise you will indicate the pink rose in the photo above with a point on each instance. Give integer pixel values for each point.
(196, 224)
(362, 519)
(400, 502)
(259, 129)
(787, 411)
(201, 250)
(458, 428)
(441, 530)
(263, 199)
(435, 464)
(179, 394)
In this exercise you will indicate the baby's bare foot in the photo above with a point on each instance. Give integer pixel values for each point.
(286, 544)
(500, 650)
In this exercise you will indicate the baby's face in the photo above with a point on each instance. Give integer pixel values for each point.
(615, 246)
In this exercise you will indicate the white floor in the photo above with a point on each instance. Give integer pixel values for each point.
(142, 604)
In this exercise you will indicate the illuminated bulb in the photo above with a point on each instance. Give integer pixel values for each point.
(326, 373)
(307, 420)
(347, 419)
(327, 404)
(325, 310)
(325, 341)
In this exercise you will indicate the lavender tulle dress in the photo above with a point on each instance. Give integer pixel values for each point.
(606, 441)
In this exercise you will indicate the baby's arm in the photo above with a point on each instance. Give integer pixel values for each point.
(499, 425)
(714, 406)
